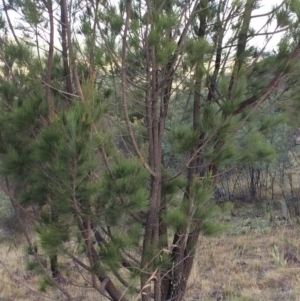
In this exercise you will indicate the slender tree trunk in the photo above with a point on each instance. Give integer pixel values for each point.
(72, 59)
(9, 22)
(242, 42)
(185, 241)
(105, 284)
(151, 238)
(219, 47)
(54, 258)
(54, 267)
(65, 50)
(48, 95)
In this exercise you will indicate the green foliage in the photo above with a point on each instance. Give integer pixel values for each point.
(202, 189)
(116, 24)
(126, 179)
(284, 49)
(176, 219)
(182, 138)
(158, 36)
(282, 18)
(110, 254)
(270, 122)
(212, 228)
(257, 149)
(198, 207)
(31, 12)
(52, 237)
(210, 119)
(295, 7)
(45, 283)
(172, 186)
(32, 266)
(195, 49)
(5, 206)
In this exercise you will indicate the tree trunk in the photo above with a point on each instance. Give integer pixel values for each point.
(242, 42)
(54, 267)
(184, 242)
(65, 56)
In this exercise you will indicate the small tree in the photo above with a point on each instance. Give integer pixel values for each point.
(121, 213)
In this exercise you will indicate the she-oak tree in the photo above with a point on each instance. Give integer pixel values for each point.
(116, 119)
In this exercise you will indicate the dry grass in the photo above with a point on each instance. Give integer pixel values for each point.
(18, 284)
(248, 266)
(239, 266)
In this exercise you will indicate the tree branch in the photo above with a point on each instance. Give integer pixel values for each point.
(270, 88)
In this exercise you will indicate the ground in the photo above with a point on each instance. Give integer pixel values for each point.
(245, 264)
